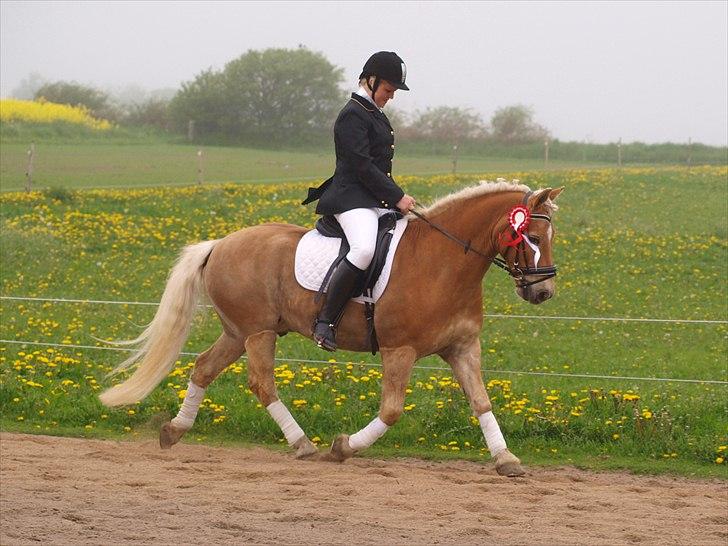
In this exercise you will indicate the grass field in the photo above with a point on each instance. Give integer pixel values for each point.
(97, 164)
(637, 242)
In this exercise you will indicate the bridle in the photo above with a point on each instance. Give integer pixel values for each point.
(514, 269)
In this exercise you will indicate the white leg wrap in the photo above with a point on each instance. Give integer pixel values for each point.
(493, 435)
(285, 420)
(187, 413)
(368, 435)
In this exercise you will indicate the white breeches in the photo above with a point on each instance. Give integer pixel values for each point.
(360, 227)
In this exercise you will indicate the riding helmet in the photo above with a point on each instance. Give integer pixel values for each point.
(386, 65)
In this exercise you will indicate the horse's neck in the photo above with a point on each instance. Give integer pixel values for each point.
(477, 220)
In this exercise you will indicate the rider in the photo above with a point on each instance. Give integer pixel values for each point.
(362, 188)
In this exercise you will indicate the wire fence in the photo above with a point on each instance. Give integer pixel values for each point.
(378, 365)
(499, 316)
(434, 368)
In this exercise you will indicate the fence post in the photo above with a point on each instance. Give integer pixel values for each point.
(200, 173)
(29, 171)
(545, 153)
(690, 150)
(454, 158)
(619, 152)
(191, 130)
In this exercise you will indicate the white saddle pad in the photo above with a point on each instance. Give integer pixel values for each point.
(315, 254)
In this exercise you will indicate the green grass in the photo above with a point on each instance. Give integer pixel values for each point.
(631, 243)
(95, 164)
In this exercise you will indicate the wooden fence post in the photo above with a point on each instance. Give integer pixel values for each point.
(200, 173)
(545, 153)
(191, 130)
(454, 158)
(619, 152)
(690, 150)
(29, 171)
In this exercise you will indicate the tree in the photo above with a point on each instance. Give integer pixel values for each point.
(75, 94)
(271, 96)
(203, 101)
(513, 124)
(150, 113)
(28, 86)
(447, 124)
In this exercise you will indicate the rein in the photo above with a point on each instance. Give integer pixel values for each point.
(465, 244)
(517, 272)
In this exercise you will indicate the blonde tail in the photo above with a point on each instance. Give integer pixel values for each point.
(162, 341)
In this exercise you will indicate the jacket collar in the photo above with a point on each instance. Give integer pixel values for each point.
(364, 103)
(369, 107)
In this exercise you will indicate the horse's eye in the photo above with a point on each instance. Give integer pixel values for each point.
(535, 240)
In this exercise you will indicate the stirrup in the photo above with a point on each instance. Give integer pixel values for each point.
(325, 337)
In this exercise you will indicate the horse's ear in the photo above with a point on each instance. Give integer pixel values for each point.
(553, 194)
(539, 198)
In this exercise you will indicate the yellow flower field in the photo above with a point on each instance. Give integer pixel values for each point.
(28, 111)
(644, 243)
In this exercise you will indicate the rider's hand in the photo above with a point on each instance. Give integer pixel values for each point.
(406, 204)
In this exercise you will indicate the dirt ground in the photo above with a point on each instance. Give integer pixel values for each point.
(74, 491)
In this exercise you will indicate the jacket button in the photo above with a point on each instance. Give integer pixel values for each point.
(392, 146)
(391, 132)
(389, 175)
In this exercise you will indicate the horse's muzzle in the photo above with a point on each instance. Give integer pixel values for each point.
(536, 293)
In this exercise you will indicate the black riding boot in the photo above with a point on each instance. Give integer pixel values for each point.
(345, 283)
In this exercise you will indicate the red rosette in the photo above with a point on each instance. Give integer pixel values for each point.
(518, 219)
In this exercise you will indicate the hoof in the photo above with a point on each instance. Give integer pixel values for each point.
(340, 450)
(305, 450)
(170, 435)
(507, 464)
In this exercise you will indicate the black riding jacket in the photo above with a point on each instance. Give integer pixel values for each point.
(364, 142)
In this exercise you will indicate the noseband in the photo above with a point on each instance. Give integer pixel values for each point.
(516, 271)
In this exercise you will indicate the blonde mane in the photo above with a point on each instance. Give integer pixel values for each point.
(482, 188)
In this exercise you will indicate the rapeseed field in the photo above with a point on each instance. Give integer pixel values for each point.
(43, 112)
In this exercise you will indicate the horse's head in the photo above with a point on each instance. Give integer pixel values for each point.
(530, 261)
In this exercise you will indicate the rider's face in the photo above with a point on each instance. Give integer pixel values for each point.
(384, 93)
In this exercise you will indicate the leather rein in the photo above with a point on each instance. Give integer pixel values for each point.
(516, 271)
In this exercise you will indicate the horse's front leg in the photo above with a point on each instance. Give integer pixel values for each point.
(397, 364)
(464, 358)
(261, 379)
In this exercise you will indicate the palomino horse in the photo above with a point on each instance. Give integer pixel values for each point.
(249, 279)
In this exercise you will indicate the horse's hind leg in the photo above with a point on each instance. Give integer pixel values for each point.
(261, 379)
(397, 366)
(226, 350)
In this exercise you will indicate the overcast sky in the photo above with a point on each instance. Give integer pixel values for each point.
(649, 71)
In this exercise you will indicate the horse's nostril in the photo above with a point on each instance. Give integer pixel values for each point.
(543, 296)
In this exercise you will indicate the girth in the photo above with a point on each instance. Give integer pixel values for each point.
(328, 226)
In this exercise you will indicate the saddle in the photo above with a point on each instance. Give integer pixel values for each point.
(328, 226)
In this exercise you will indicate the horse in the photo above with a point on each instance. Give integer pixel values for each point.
(442, 257)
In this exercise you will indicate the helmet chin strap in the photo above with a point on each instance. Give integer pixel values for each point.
(376, 86)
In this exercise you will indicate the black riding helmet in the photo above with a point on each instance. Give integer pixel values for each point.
(385, 65)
